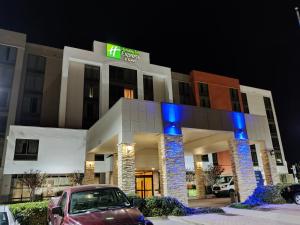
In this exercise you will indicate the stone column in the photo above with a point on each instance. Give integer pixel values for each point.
(269, 165)
(172, 167)
(115, 169)
(89, 170)
(126, 168)
(242, 168)
(199, 176)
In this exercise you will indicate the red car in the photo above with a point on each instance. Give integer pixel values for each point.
(94, 205)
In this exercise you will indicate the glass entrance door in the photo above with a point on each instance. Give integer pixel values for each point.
(144, 186)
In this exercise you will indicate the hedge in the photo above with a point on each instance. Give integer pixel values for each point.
(270, 194)
(167, 206)
(30, 213)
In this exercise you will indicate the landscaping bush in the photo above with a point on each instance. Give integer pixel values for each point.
(270, 194)
(266, 195)
(167, 206)
(30, 213)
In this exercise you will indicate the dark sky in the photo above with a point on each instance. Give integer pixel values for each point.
(257, 42)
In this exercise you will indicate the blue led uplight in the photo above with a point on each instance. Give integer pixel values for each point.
(171, 117)
(239, 124)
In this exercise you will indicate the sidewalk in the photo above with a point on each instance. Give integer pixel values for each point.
(287, 214)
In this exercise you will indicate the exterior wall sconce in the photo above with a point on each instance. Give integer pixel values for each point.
(199, 165)
(129, 148)
(272, 152)
(90, 164)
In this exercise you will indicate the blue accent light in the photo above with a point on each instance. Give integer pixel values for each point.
(239, 124)
(171, 117)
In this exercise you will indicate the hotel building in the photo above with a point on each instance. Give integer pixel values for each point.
(114, 117)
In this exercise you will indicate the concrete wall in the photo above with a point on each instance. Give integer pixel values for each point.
(162, 82)
(60, 150)
(256, 106)
(176, 78)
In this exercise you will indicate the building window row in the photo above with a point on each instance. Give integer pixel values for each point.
(33, 90)
(273, 130)
(204, 95)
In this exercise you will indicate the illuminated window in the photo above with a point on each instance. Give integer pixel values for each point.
(128, 93)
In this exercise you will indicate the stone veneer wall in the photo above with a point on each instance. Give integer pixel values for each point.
(126, 168)
(115, 169)
(172, 167)
(89, 173)
(199, 176)
(242, 167)
(269, 165)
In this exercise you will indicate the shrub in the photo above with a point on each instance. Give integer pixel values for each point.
(270, 194)
(30, 213)
(167, 206)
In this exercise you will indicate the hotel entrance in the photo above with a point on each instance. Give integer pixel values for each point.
(144, 184)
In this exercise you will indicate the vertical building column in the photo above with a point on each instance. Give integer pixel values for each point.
(140, 85)
(199, 176)
(126, 168)
(172, 167)
(89, 170)
(242, 167)
(269, 165)
(115, 169)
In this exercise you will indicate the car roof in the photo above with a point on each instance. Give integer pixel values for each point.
(89, 187)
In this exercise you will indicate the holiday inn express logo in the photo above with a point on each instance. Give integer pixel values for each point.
(118, 52)
(113, 51)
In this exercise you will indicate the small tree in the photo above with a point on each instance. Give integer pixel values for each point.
(75, 178)
(212, 174)
(33, 179)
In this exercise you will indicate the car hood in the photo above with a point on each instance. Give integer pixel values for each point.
(125, 216)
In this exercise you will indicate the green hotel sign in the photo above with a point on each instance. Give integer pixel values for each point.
(121, 53)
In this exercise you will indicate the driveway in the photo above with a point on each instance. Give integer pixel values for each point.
(287, 214)
(209, 202)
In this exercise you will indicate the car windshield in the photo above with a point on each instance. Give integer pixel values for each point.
(99, 199)
(224, 180)
(3, 218)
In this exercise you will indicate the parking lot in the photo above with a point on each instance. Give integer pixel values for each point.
(286, 214)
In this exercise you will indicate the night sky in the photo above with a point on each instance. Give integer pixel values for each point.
(258, 43)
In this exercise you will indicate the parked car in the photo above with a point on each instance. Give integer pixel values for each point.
(292, 193)
(223, 186)
(94, 205)
(6, 217)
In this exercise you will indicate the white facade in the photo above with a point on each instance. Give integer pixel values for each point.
(256, 105)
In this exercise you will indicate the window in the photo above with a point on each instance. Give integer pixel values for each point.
(26, 149)
(33, 90)
(87, 201)
(91, 96)
(3, 120)
(185, 93)
(6, 75)
(3, 218)
(4, 98)
(148, 88)
(8, 54)
(235, 101)
(215, 159)
(99, 157)
(204, 95)
(245, 103)
(254, 155)
(63, 201)
(204, 158)
(128, 93)
(119, 80)
(273, 131)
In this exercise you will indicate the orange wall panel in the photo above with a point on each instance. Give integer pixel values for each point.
(218, 89)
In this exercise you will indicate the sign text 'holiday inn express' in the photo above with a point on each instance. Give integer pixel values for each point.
(121, 53)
